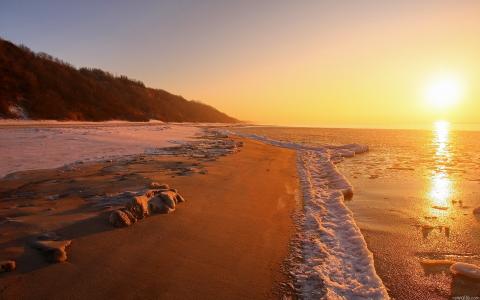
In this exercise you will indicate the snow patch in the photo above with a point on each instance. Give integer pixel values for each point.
(17, 111)
(34, 145)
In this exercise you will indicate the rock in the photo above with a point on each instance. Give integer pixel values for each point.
(169, 198)
(138, 206)
(179, 198)
(173, 193)
(151, 193)
(130, 216)
(53, 197)
(156, 185)
(7, 220)
(55, 251)
(476, 211)
(121, 218)
(48, 236)
(465, 269)
(160, 200)
(7, 266)
(347, 193)
(157, 205)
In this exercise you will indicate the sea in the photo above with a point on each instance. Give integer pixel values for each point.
(414, 198)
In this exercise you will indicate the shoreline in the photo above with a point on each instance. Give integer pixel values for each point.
(336, 261)
(231, 224)
(322, 209)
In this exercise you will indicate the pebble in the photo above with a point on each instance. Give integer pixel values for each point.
(54, 251)
(7, 266)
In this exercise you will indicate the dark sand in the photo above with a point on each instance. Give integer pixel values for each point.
(229, 240)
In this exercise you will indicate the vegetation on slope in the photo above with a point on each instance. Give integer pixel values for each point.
(44, 87)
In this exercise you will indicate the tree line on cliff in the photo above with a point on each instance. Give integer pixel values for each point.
(39, 86)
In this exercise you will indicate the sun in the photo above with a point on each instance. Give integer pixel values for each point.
(443, 91)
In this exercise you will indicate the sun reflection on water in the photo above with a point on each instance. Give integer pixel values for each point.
(441, 140)
(441, 189)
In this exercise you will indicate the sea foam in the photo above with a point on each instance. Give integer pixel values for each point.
(336, 263)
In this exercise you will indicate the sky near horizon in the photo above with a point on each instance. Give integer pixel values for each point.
(333, 63)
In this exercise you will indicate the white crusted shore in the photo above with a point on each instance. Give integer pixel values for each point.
(49, 144)
(336, 263)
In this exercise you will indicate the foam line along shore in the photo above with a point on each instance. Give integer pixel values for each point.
(335, 259)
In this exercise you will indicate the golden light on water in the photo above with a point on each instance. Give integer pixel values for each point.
(441, 189)
(441, 139)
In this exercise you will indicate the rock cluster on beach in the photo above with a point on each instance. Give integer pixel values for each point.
(118, 191)
(159, 199)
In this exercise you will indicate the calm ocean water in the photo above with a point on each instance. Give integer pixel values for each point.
(415, 191)
(421, 151)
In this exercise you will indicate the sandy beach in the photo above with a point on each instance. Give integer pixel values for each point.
(228, 241)
(240, 150)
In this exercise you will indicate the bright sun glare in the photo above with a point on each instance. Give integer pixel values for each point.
(443, 91)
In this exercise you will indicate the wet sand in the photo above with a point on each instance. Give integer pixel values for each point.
(403, 228)
(228, 241)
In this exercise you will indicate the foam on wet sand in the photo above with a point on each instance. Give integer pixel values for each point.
(336, 261)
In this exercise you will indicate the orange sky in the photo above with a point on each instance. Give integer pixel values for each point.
(363, 72)
(320, 63)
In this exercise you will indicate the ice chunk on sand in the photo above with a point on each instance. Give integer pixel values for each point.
(436, 262)
(465, 269)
